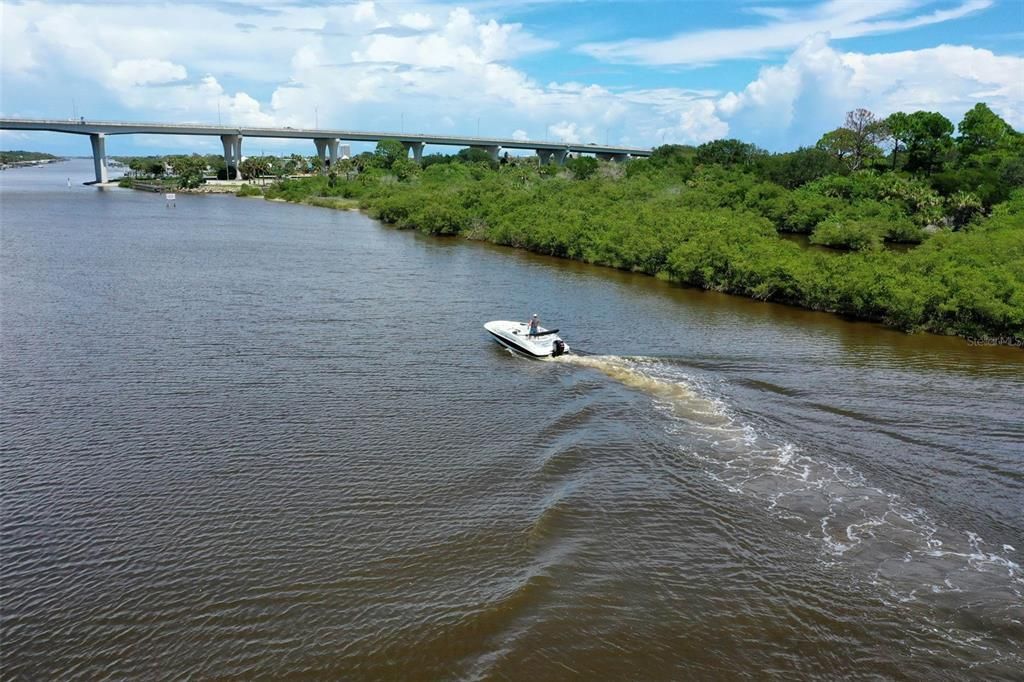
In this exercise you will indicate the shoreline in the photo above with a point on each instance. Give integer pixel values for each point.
(29, 164)
(157, 189)
(208, 187)
(974, 337)
(331, 203)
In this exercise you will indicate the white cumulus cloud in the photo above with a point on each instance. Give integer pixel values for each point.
(131, 72)
(695, 123)
(808, 94)
(416, 21)
(570, 131)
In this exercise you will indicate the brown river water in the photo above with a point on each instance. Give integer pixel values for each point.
(247, 439)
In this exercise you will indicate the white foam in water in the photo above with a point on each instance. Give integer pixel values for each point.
(905, 554)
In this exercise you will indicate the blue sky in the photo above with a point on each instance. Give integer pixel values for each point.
(775, 73)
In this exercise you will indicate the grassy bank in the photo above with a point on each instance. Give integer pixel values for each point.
(16, 156)
(717, 227)
(337, 203)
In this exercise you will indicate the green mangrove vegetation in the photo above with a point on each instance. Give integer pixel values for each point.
(711, 216)
(249, 191)
(17, 157)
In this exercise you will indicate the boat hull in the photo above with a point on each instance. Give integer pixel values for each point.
(516, 336)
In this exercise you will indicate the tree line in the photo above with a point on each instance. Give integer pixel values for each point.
(188, 171)
(714, 215)
(16, 157)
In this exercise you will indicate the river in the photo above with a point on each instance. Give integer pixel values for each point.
(253, 439)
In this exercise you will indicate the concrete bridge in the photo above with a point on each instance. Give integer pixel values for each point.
(326, 141)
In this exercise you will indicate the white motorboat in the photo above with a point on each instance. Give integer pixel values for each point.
(516, 335)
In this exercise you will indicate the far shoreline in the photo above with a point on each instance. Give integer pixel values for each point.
(14, 165)
(375, 208)
(340, 204)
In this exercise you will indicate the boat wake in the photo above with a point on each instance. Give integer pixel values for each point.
(905, 555)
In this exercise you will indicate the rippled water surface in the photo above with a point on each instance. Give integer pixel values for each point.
(247, 439)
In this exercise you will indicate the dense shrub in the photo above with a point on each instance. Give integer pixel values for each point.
(249, 191)
(716, 227)
(849, 233)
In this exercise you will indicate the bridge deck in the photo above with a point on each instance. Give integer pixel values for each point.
(83, 127)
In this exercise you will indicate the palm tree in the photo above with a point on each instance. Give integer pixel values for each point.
(301, 164)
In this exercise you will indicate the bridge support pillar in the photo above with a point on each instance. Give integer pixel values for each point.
(492, 151)
(546, 156)
(332, 149)
(327, 150)
(99, 155)
(617, 158)
(321, 152)
(232, 155)
(417, 150)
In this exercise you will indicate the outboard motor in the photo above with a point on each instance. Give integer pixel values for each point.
(557, 348)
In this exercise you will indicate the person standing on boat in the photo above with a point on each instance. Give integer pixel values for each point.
(534, 325)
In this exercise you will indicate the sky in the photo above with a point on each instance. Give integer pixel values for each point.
(637, 73)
